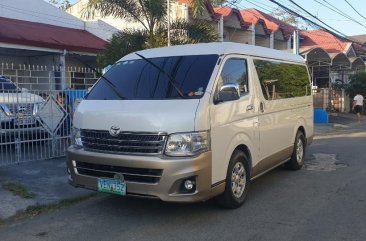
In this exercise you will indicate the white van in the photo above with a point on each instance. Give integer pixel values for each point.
(188, 123)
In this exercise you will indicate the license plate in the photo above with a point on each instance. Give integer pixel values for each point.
(24, 121)
(115, 186)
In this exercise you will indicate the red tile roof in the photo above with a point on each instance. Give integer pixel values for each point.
(323, 39)
(273, 24)
(21, 32)
(228, 11)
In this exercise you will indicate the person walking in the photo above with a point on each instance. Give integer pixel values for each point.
(357, 106)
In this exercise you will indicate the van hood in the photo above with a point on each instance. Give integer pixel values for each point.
(137, 115)
(19, 98)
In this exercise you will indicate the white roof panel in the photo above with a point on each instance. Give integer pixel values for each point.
(216, 48)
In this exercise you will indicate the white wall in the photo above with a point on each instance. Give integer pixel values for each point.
(100, 29)
(38, 11)
(78, 10)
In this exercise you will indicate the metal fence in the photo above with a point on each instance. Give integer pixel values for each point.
(35, 113)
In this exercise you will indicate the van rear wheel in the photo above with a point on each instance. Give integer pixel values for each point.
(237, 181)
(298, 155)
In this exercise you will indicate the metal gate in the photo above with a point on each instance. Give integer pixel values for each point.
(35, 116)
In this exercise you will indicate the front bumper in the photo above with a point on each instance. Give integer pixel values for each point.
(168, 188)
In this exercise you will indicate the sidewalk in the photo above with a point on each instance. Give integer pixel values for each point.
(47, 179)
(340, 123)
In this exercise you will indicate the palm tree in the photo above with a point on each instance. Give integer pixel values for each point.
(152, 15)
(147, 13)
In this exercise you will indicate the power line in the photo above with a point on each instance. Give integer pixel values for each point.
(336, 10)
(258, 16)
(355, 9)
(340, 33)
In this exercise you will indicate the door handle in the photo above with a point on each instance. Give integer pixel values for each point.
(250, 107)
(261, 107)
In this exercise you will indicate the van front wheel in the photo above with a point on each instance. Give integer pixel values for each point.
(298, 155)
(237, 181)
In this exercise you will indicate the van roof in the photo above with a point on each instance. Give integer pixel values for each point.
(219, 48)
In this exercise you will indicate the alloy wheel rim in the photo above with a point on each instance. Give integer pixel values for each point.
(238, 180)
(299, 151)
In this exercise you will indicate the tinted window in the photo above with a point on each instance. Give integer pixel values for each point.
(235, 71)
(282, 80)
(6, 84)
(141, 80)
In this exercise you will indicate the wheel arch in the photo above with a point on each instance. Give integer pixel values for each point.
(248, 154)
(300, 127)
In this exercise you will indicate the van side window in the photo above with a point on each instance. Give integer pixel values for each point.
(282, 80)
(235, 71)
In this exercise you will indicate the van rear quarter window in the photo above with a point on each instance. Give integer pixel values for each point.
(140, 80)
(282, 80)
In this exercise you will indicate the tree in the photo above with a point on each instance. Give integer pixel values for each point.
(120, 44)
(148, 13)
(152, 17)
(357, 84)
(62, 4)
(199, 5)
(286, 17)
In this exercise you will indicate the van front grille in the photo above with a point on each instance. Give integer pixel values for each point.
(123, 143)
(141, 175)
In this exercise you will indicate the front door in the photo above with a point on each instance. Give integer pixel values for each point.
(232, 122)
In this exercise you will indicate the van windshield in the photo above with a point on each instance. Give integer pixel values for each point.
(141, 80)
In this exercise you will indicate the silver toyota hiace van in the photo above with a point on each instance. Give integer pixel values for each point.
(192, 122)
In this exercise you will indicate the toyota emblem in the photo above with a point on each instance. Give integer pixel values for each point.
(114, 131)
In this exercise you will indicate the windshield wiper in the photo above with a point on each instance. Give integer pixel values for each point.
(113, 87)
(170, 78)
(110, 83)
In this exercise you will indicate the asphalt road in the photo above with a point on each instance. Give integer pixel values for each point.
(326, 200)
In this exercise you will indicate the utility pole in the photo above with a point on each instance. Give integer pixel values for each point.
(168, 15)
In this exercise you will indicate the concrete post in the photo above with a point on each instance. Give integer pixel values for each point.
(296, 42)
(221, 28)
(63, 84)
(271, 40)
(289, 42)
(252, 28)
(186, 13)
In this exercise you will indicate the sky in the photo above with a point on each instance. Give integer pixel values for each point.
(335, 20)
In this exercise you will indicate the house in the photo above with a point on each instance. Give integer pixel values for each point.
(268, 31)
(332, 60)
(42, 47)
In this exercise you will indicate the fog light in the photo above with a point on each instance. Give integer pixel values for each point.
(189, 184)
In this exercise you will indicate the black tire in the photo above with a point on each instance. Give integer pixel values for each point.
(298, 155)
(233, 199)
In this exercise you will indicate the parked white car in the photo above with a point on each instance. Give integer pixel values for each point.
(17, 109)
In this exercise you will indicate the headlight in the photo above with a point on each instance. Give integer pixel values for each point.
(37, 107)
(76, 137)
(188, 144)
(4, 108)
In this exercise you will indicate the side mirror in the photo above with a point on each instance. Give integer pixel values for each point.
(228, 92)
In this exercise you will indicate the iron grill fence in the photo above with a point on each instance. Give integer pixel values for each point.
(36, 113)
